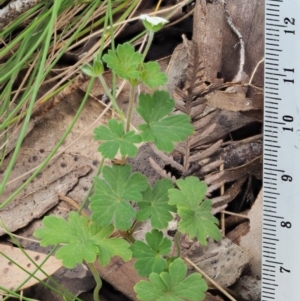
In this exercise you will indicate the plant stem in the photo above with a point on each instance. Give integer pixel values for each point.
(176, 242)
(92, 186)
(112, 99)
(130, 107)
(98, 281)
(149, 42)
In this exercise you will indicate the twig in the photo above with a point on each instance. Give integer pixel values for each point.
(72, 203)
(254, 71)
(235, 214)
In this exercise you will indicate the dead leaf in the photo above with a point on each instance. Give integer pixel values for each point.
(218, 179)
(229, 101)
(250, 241)
(176, 68)
(223, 261)
(208, 34)
(248, 288)
(72, 282)
(225, 122)
(12, 276)
(20, 212)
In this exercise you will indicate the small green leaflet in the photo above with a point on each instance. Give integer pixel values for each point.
(172, 285)
(110, 202)
(150, 255)
(155, 205)
(151, 75)
(115, 139)
(125, 61)
(195, 212)
(81, 239)
(160, 128)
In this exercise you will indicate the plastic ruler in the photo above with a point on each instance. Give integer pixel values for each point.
(281, 167)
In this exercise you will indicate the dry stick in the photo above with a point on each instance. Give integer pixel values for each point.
(215, 284)
(214, 211)
(253, 73)
(222, 191)
(21, 237)
(191, 12)
(236, 214)
(71, 202)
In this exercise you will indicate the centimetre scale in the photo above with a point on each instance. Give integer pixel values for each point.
(281, 167)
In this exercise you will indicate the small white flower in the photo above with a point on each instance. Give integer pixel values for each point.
(154, 20)
(153, 23)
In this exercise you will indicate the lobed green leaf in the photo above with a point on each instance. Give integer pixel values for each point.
(150, 255)
(125, 61)
(172, 285)
(160, 128)
(155, 205)
(194, 211)
(115, 139)
(151, 75)
(110, 202)
(83, 241)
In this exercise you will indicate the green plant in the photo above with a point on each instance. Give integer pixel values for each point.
(123, 198)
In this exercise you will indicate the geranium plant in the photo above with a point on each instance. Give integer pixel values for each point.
(122, 197)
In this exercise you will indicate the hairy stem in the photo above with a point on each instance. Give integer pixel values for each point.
(98, 281)
(176, 243)
(149, 42)
(91, 187)
(112, 99)
(130, 107)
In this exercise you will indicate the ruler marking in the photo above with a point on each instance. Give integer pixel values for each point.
(269, 206)
(270, 283)
(275, 20)
(274, 98)
(269, 292)
(273, 216)
(276, 122)
(271, 112)
(279, 170)
(270, 248)
(268, 265)
(270, 234)
(277, 74)
(272, 102)
(269, 243)
(280, 263)
(270, 192)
